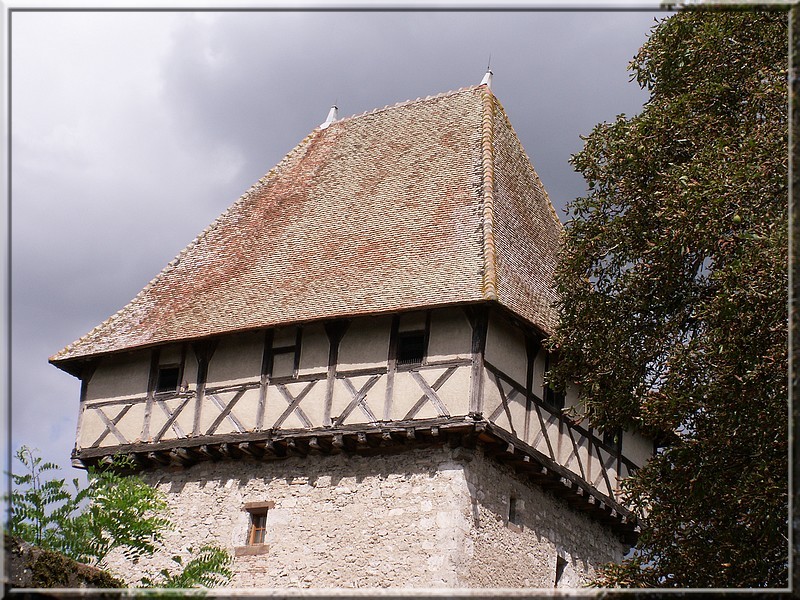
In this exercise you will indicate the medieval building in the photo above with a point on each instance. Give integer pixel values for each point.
(341, 379)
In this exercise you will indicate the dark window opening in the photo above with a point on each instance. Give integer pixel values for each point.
(554, 400)
(612, 438)
(561, 564)
(410, 348)
(513, 511)
(167, 379)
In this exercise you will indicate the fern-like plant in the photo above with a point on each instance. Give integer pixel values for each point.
(113, 512)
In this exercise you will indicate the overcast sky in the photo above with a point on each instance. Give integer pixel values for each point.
(132, 131)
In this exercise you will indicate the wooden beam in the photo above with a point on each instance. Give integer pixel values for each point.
(160, 457)
(335, 331)
(203, 351)
(152, 383)
(181, 456)
(266, 375)
(251, 449)
(479, 329)
(391, 368)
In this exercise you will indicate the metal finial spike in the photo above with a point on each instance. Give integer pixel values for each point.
(487, 79)
(489, 64)
(333, 114)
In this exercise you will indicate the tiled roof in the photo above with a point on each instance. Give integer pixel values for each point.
(426, 203)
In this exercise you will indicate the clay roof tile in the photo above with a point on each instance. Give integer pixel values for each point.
(426, 203)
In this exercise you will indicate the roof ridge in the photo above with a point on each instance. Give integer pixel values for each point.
(530, 164)
(406, 103)
(489, 284)
(203, 234)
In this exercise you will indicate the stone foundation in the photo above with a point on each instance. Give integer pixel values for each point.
(420, 518)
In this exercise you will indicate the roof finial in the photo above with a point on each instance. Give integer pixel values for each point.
(487, 79)
(333, 114)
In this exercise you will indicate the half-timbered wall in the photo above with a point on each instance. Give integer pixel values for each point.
(340, 374)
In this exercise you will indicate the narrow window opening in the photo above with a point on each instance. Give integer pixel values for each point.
(168, 377)
(410, 348)
(258, 527)
(561, 564)
(612, 438)
(513, 514)
(554, 400)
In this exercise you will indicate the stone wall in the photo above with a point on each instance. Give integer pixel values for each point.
(421, 518)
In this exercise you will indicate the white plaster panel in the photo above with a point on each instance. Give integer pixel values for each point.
(492, 401)
(129, 426)
(246, 408)
(158, 418)
(314, 403)
(124, 376)
(277, 403)
(274, 406)
(91, 428)
(375, 399)
(283, 364)
(582, 444)
(315, 350)
(365, 344)
(209, 412)
(505, 349)
(190, 369)
(455, 392)
(284, 336)
(237, 359)
(212, 412)
(170, 354)
(412, 321)
(406, 393)
(517, 408)
(636, 447)
(450, 335)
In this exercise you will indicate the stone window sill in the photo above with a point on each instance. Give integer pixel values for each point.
(253, 550)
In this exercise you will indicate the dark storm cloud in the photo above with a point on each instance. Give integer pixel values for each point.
(133, 132)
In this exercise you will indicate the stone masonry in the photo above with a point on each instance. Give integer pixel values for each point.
(431, 517)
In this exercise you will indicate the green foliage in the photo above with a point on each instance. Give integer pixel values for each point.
(209, 567)
(124, 513)
(41, 507)
(673, 290)
(114, 512)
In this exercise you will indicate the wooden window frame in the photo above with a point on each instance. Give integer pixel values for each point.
(255, 510)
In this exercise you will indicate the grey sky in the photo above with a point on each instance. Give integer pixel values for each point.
(133, 131)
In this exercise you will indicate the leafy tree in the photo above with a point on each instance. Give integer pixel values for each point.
(113, 512)
(673, 299)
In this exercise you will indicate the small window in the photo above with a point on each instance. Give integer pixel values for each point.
(410, 348)
(555, 400)
(167, 379)
(256, 540)
(612, 438)
(561, 564)
(513, 515)
(258, 527)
